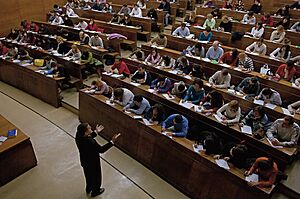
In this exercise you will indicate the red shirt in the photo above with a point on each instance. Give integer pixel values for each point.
(228, 59)
(268, 22)
(281, 72)
(3, 50)
(122, 67)
(92, 27)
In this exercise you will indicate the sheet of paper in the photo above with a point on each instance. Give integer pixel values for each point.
(206, 59)
(3, 138)
(246, 129)
(137, 117)
(237, 69)
(208, 84)
(147, 122)
(218, 118)
(173, 71)
(16, 61)
(252, 178)
(116, 75)
(197, 148)
(295, 86)
(107, 73)
(151, 90)
(278, 147)
(135, 84)
(25, 64)
(270, 106)
(187, 105)
(127, 112)
(225, 65)
(165, 133)
(187, 77)
(108, 102)
(222, 163)
(169, 97)
(286, 112)
(259, 102)
(197, 108)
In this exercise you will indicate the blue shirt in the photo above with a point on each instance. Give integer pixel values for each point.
(194, 96)
(213, 54)
(202, 37)
(180, 129)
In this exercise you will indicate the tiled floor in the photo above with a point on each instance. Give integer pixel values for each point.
(58, 174)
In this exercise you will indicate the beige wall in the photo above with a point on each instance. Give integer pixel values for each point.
(13, 11)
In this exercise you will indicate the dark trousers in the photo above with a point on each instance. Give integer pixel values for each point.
(93, 178)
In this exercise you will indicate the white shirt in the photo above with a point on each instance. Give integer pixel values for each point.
(82, 25)
(257, 33)
(136, 12)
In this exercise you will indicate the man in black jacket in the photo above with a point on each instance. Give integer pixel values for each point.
(89, 151)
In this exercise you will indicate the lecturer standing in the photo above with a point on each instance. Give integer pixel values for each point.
(89, 151)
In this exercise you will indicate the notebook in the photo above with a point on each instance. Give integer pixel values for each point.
(12, 133)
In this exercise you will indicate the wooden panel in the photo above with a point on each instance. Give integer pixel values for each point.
(14, 11)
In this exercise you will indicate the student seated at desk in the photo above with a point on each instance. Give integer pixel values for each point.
(179, 89)
(126, 20)
(97, 6)
(244, 62)
(256, 7)
(166, 62)
(183, 64)
(214, 52)
(282, 53)
(108, 8)
(43, 30)
(239, 5)
(228, 4)
(206, 35)
(257, 31)
(3, 49)
(258, 120)
(57, 9)
(47, 63)
(221, 79)
(211, 142)
(196, 50)
(60, 46)
(285, 22)
(257, 47)
(124, 10)
(82, 24)
(230, 57)
(208, 4)
(160, 40)
(195, 92)
(152, 14)
(284, 132)
(136, 11)
(161, 84)
(197, 71)
(92, 64)
(210, 22)
(137, 55)
(234, 153)
(156, 114)
(34, 27)
(176, 125)
(139, 105)
(122, 96)
(153, 58)
(267, 171)
(101, 87)
(68, 21)
(182, 31)
(25, 25)
(226, 24)
(283, 12)
(286, 71)
(249, 18)
(269, 95)
(190, 18)
(96, 41)
(296, 27)
(230, 113)
(216, 13)
(70, 12)
(12, 52)
(141, 76)
(166, 7)
(13, 35)
(278, 35)
(141, 4)
(84, 5)
(212, 102)
(84, 38)
(296, 5)
(92, 26)
(23, 54)
(58, 20)
(296, 60)
(115, 18)
(249, 86)
(294, 107)
(74, 53)
(267, 20)
(120, 67)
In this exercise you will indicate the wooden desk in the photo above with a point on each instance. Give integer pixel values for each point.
(173, 160)
(288, 93)
(16, 154)
(31, 82)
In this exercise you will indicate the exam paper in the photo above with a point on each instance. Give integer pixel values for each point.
(246, 129)
(252, 178)
(187, 105)
(222, 163)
